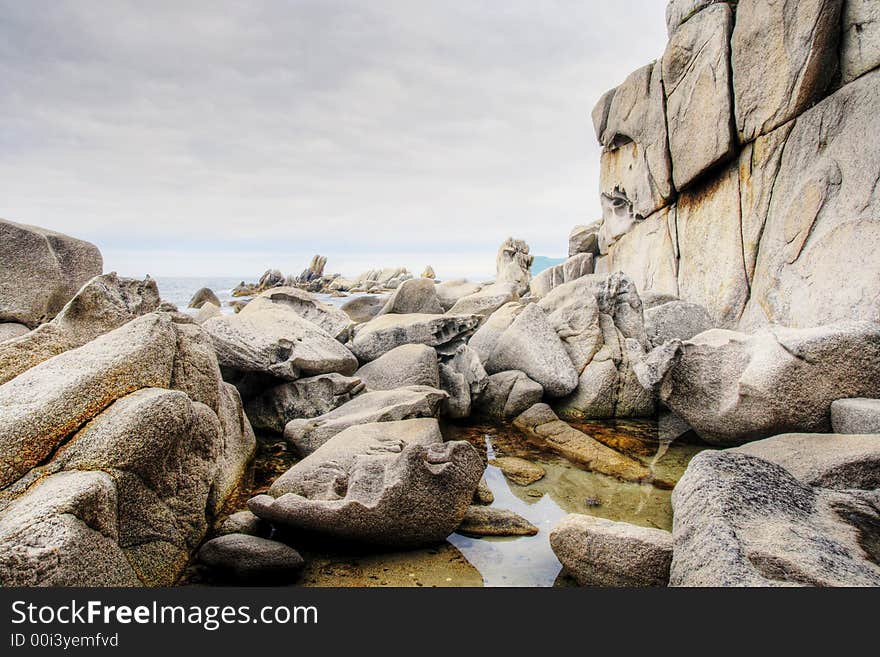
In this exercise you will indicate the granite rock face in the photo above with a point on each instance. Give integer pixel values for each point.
(323, 315)
(860, 45)
(578, 265)
(415, 296)
(743, 521)
(251, 559)
(40, 271)
(508, 394)
(379, 336)
(856, 416)
(407, 365)
(513, 264)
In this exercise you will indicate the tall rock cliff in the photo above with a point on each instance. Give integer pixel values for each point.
(742, 170)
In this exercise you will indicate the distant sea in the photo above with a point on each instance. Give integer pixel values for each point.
(179, 290)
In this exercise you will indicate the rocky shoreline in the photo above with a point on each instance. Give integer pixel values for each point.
(729, 291)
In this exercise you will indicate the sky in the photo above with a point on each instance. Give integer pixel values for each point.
(225, 137)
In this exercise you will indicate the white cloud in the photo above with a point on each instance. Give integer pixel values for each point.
(214, 134)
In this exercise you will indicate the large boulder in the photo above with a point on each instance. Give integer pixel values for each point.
(203, 296)
(531, 345)
(104, 303)
(362, 309)
(541, 425)
(307, 435)
(507, 395)
(487, 300)
(599, 552)
(278, 342)
(415, 296)
(379, 336)
(785, 56)
(576, 266)
(584, 239)
(396, 484)
(274, 408)
(40, 271)
(734, 388)
(699, 105)
(856, 416)
(827, 460)
(449, 292)
(742, 521)
(513, 264)
(407, 365)
(329, 318)
(676, 320)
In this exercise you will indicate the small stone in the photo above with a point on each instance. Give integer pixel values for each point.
(518, 470)
(488, 521)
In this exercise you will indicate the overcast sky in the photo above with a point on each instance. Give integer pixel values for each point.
(226, 136)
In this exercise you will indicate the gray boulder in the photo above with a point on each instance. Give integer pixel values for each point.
(271, 278)
(785, 56)
(680, 11)
(463, 378)
(206, 312)
(676, 320)
(507, 395)
(251, 559)
(415, 296)
(826, 460)
(244, 522)
(513, 264)
(274, 408)
(490, 521)
(379, 336)
(40, 271)
(486, 301)
(449, 292)
(203, 296)
(599, 552)
(584, 239)
(733, 388)
(407, 365)
(531, 345)
(395, 484)
(856, 416)
(743, 521)
(327, 317)
(307, 435)
(277, 341)
(362, 309)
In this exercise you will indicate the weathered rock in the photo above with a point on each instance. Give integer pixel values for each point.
(395, 484)
(699, 106)
(743, 521)
(415, 296)
(486, 521)
(407, 365)
(362, 309)
(519, 471)
(532, 346)
(63, 532)
(251, 559)
(271, 278)
(636, 173)
(463, 378)
(856, 416)
(711, 270)
(734, 388)
(785, 56)
(206, 312)
(541, 424)
(599, 552)
(307, 435)
(379, 336)
(10, 330)
(647, 254)
(48, 402)
(314, 271)
(676, 320)
(486, 301)
(203, 296)
(491, 330)
(103, 304)
(40, 271)
(327, 317)
(507, 395)
(273, 409)
(483, 495)
(245, 522)
(572, 269)
(449, 292)
(245, 290)
(584, 239)
(278, 342)
(823, 216)
(827, 460)
(514, 264)
(680, 11)
(860, 41)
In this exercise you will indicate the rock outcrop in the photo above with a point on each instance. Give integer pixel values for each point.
(379, 336)
(203, 296)
(327, 317)
(40, 271)
(514, 264)
(407, 365)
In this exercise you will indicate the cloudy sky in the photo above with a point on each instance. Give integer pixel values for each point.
(227, 136)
